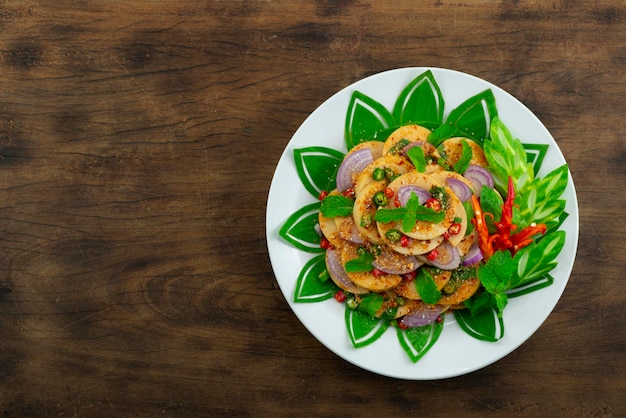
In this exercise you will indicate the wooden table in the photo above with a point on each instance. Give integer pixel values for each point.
(138, 140)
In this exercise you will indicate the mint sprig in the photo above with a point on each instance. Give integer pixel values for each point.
(410, 214)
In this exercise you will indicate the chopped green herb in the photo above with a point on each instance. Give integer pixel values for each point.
(336, 205)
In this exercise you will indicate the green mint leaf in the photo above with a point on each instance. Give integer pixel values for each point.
(466, 156)
(336, 205)
(371, 303)
(416, 154)
(442, 133)
(417, 212)
(501, 301)
(361, 264)
(497, 274)
(390, 215)
(426, 287)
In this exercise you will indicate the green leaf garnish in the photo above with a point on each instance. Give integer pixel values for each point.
(442, 133)
(497, 276)
(336, 205)
(473, 116)
(539, 201)
(535, 153)
(299, 229)
(420, 102)
(365, 118)
(537, 259)
(417, 341)
(506, 157)
(363, 329)
(485, 324)
(317, 168)
(466, 156)
(371, 303)
(361, 264)
(426, 287)
(309, 288)
(417, 157)
(410, 214)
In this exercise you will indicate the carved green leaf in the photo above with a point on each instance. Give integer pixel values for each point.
(535, 154)
(420, 102)
(317, 168)
(417, 341)
(362, 328)
(484, 325)
(531, 286)
(365, 119)
(472, 117)
(300, 229)
(309, 287)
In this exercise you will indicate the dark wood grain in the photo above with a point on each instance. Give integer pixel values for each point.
(138, 140)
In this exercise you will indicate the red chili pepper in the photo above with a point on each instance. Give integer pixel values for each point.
(348, 192)
(434, 204)
(322, 195)
(340, 296)
(389, 192)
(377, 273)
(401, 324)
(484, 241)
(524, 237)
(454, 229)
(396, 202)
(405, 241)
(502, 238)
(432, 255)
(325, 244)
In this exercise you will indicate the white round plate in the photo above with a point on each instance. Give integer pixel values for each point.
(455, 353)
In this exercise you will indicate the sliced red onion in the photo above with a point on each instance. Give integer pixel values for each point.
(404, 194)
(353, 164)
(395, 263)
(479, 176)
(460, 189)
(352, 233)
(424, 314)
(338, 274)
(448, 257)
(473, 256)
